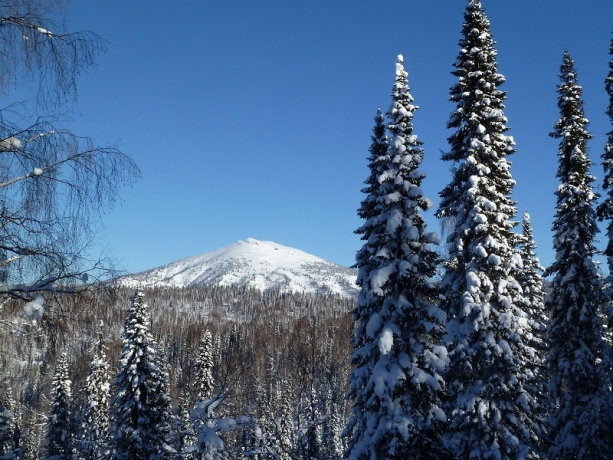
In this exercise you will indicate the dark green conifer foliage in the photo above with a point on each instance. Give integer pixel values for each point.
(579, 426)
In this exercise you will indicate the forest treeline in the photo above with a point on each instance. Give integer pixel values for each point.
(275, 357)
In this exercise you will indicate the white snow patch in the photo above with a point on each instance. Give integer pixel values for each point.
(379, 277)
(393, 221)
(373, 325)
(9, 144)
(472, 282)
(386, 340)
(35, 308)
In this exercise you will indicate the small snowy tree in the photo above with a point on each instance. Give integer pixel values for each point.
(94, 443)
(310, 428)
(141, 405)
(284, 433)
(184, 429)
(8, 424)
(530, 279)
(579, 426)
(332, 441)
(58, 439)
(491, 395)
(204, 367)
(396, 379)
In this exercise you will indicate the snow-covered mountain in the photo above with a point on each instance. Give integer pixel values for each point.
(260, 264)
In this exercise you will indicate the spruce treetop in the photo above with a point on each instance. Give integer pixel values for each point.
(376, 160)
(479, 146)
(571, 128)
(605, 209)
(575, 223)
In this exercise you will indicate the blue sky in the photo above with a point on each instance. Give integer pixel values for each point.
(253, 118)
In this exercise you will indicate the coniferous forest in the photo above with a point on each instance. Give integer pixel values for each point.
(461, 348)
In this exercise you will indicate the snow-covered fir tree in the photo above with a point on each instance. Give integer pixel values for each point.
(605, 209)
(33, 439)
(533, 290)
(580, 424)
(310, 426)
(490, 393)
(396, 379)
(378, 153)
(58, 440)
(207, 427)
(530, 278)
(94, 442)
(284, 433)
(140, 409)
(184, 429)
(332, 441)
(8, 424)
(204, 367)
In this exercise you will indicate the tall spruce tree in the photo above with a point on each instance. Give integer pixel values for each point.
(490, 399)
(396, 381)
(605, 209)
(94, 442)
(140, 408)
(58, 439)
(579, 426)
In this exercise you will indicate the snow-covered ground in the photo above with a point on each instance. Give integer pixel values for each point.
(260, 264)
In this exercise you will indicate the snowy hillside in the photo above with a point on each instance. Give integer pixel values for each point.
(260, 264)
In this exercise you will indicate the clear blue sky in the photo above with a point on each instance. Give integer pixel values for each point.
(253, 118)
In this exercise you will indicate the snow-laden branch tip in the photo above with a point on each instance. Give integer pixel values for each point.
(39, 171)
(39, 135)
(10, 144)
(42, 30)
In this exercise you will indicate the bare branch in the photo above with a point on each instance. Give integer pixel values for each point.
(35, 46)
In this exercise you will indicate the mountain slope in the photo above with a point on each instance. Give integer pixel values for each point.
(260, 264)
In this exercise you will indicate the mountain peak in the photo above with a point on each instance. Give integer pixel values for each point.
(260, 264)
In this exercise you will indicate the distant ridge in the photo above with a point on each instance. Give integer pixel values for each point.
(260, 264)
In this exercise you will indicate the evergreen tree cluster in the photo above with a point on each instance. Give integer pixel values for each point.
(484, 364)
(225, 372)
